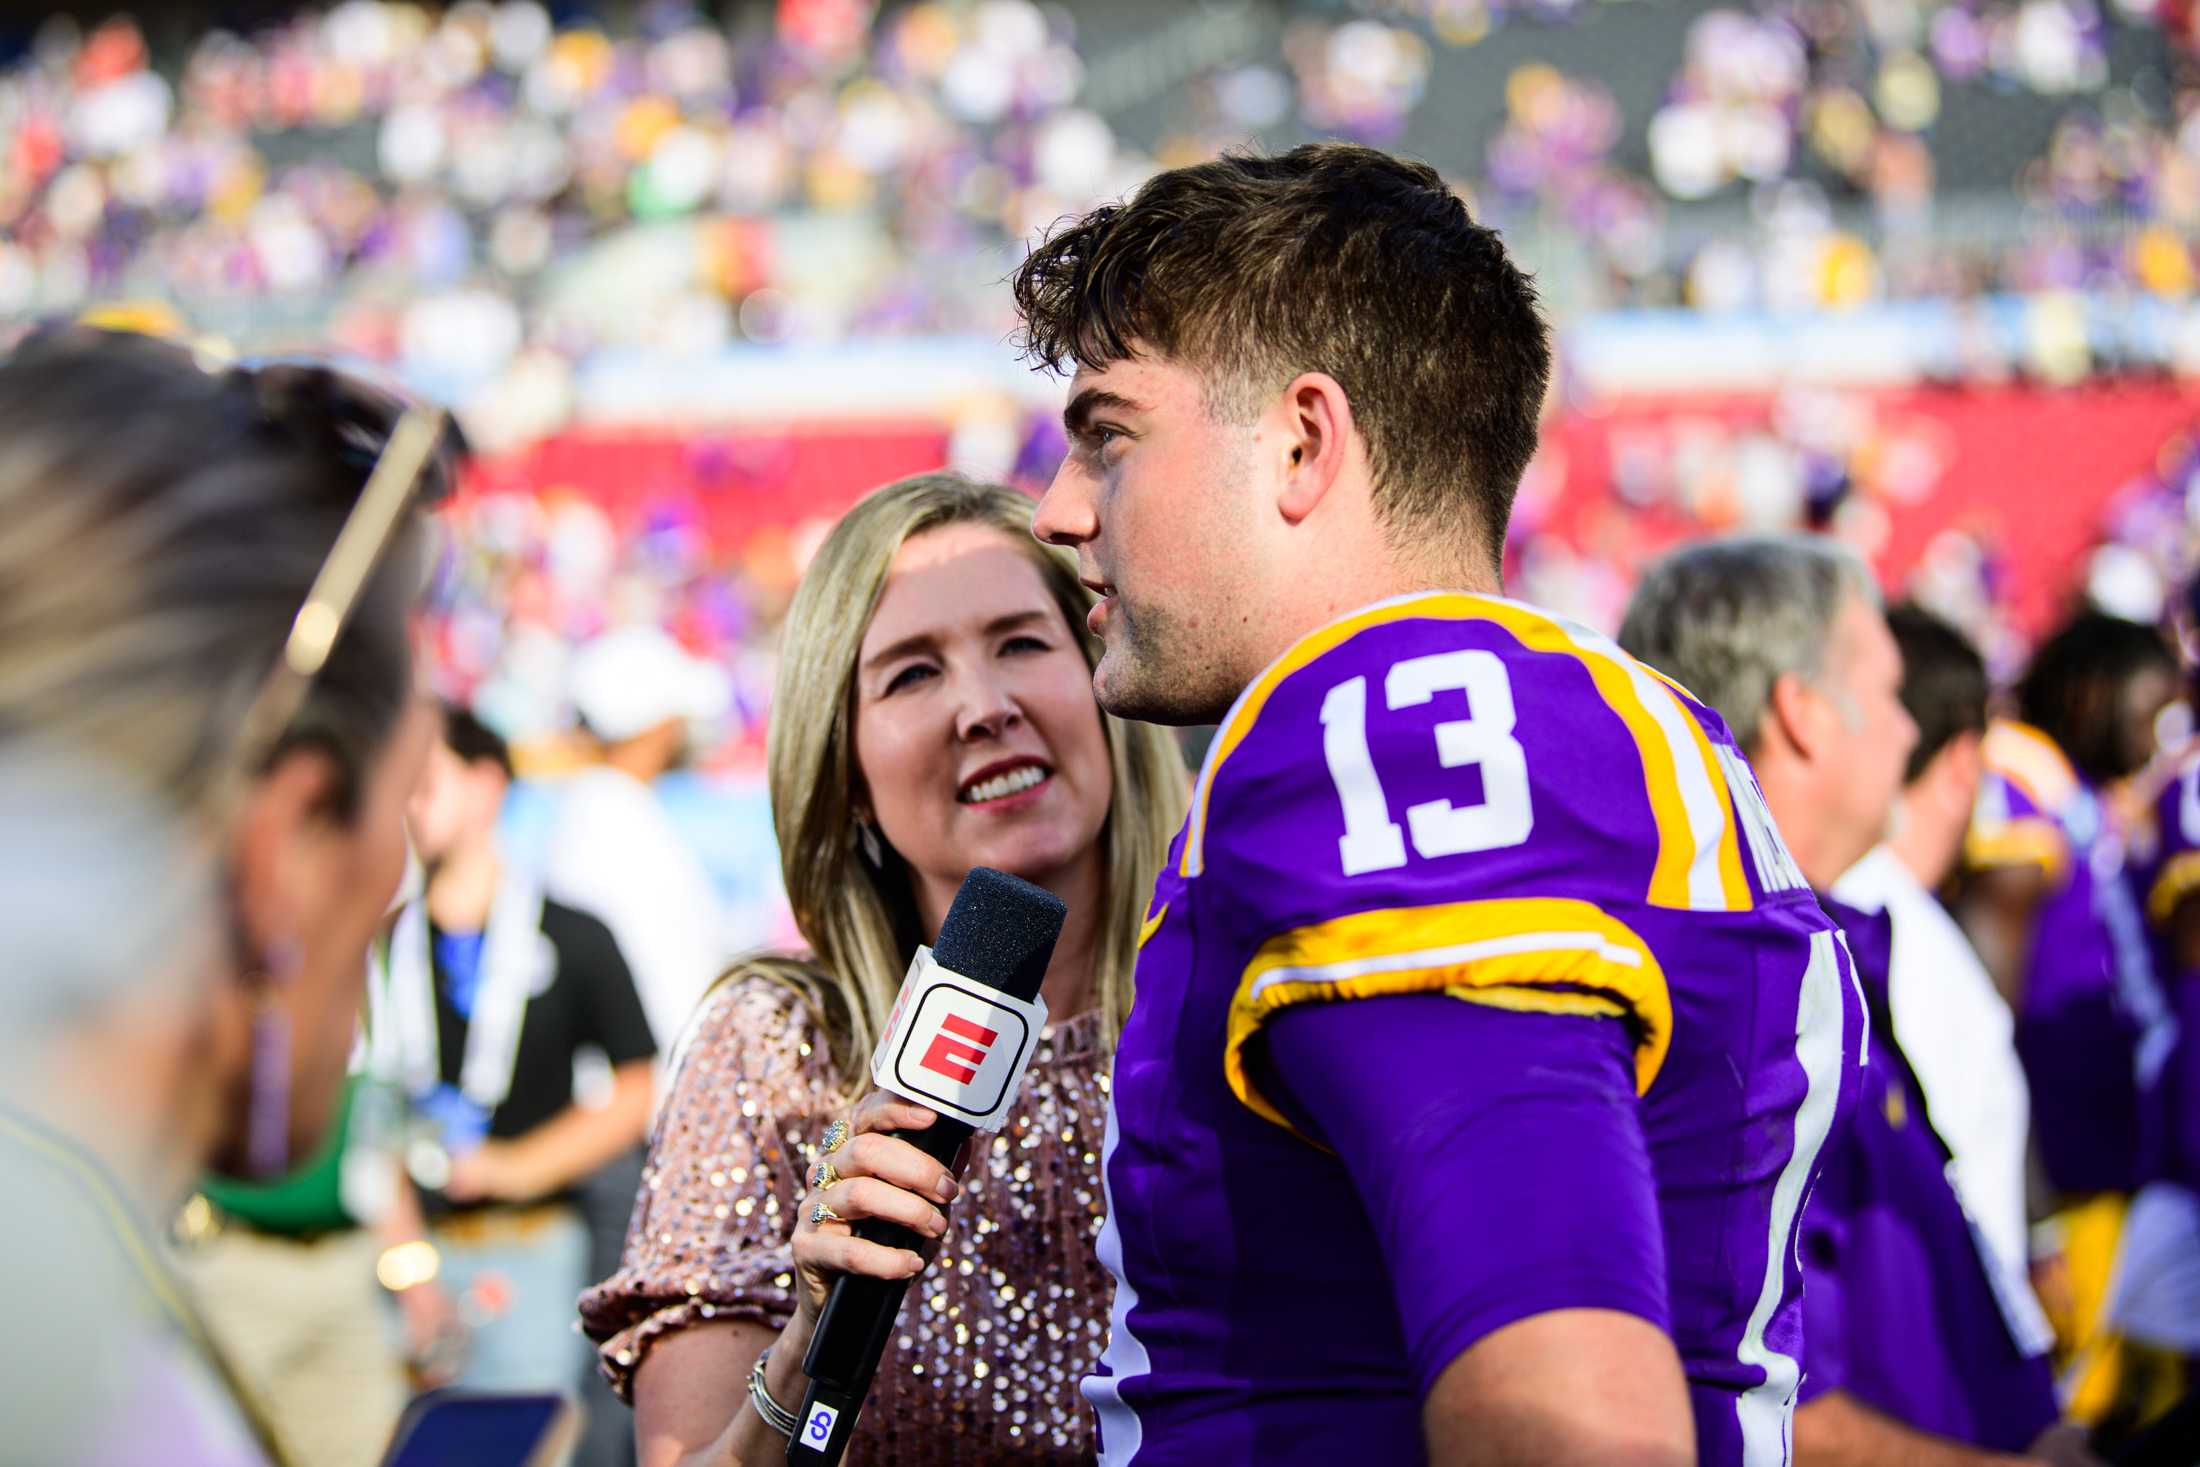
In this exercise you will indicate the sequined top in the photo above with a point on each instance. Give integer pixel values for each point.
(996, 1332)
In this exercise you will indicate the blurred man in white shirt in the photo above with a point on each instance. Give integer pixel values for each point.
(616, 854)
(615, 851)
(1951, 1020)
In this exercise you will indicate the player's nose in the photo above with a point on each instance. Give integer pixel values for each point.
(1066, 515)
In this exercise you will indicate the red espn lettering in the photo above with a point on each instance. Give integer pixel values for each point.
(955, 1059)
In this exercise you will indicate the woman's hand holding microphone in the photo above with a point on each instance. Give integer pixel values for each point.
(862, 1173)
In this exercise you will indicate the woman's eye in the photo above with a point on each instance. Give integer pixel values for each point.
(1024, 644)
(909, 676)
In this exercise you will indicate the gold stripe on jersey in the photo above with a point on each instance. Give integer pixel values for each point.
(2179, 878)
(1731, 881)
(2031, 840)
(1542, 954)
(2031, 761)
(1616, 679)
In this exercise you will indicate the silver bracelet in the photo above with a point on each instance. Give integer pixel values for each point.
(776, 1416)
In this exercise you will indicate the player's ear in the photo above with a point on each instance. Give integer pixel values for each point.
(1316, 443)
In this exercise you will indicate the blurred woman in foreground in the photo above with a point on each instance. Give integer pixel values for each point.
(208, 731)
(934, 712)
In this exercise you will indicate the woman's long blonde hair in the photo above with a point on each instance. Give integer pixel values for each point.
(859, 920)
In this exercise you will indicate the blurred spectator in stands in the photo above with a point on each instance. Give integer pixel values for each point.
(492, 193)
(2167, 882)
(2045, 900)
(2048, 905)
(1955, 1027)
(2154, 1304)
(497, 990)
(615, 851)
(1909, 1354)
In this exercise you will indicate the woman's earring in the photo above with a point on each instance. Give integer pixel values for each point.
(867, 837)
(267, 1122)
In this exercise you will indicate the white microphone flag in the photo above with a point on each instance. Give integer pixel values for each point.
(957, 1045)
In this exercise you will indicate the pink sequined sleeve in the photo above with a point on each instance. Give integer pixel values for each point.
(710, 1236)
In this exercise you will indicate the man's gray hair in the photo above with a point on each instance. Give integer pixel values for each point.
(1725, 618)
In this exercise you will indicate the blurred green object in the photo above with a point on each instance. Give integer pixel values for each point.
(306, 1200)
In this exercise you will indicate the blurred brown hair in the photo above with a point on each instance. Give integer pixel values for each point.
(165, 519)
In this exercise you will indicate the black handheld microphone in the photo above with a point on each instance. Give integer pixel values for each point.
(966, 1022)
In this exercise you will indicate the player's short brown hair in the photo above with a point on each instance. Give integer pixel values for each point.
(1333, 258)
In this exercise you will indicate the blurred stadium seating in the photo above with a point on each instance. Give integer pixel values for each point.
(1920, 273)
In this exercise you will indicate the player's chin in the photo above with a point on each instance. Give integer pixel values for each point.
(1137, 688)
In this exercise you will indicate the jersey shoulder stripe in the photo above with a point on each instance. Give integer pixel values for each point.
(2176, 814)
(1544, 954)
(1699, 859)
(2014, 821)
(2030, 760)
(2178, 879)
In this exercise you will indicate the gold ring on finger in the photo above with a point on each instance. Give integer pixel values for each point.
(823, 1175)
(821, 1214)
(835, 1137)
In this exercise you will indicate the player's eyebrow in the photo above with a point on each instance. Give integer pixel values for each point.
(924, 641)
(1085, 406)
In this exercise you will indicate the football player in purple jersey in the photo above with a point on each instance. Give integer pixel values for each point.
(2050, 907)
(2154, 1307)
(1486, 1036)
(2168, 885)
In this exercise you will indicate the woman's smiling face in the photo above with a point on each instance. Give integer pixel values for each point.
(976, 733)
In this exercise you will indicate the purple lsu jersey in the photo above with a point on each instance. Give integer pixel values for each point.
(2170, 874)
(2172, 870)
(1461, 795)
(2093, 1027)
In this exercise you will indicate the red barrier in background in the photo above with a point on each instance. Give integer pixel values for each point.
(740, 482)
(2029, 470)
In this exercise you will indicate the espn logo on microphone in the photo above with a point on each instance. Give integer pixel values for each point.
(958, 1048)
(955, 1045)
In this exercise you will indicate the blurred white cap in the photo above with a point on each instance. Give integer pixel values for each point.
(629, 681)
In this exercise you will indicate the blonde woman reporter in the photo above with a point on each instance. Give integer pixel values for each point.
(934, 712)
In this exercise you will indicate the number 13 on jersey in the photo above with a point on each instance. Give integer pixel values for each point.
(1484, 740)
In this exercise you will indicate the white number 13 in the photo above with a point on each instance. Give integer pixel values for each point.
(1372, 840)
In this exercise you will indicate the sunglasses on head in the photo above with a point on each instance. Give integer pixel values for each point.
(399, 447)
(387, 445)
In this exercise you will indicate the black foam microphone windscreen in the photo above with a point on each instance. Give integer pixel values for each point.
(1000, 931)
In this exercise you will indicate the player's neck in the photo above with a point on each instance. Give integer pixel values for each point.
(1335, 590)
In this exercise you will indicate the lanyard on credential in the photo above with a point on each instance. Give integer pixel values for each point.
(517, 962)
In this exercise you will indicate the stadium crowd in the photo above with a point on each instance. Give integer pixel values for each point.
(485, 198)
(482, 198)
(428, 184)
